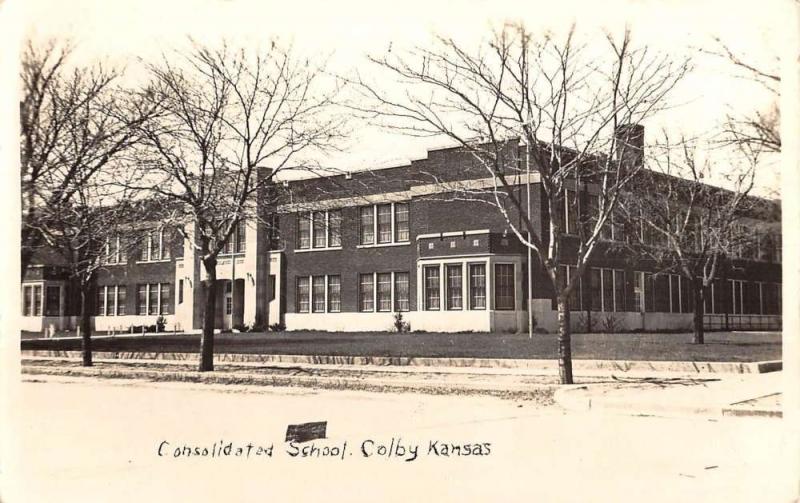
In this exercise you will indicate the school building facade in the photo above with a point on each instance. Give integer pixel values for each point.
(356, 249)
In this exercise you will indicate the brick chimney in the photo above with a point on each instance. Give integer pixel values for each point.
(629, 144)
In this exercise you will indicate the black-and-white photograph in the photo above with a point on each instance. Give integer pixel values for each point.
(427, 251)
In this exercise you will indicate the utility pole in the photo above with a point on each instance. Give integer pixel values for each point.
(530, 253)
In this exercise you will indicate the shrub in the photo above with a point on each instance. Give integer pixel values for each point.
(242, 327)
(400, 325)
(161, 324)
(277, 327)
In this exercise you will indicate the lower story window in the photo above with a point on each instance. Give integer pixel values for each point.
(153, 299)
(334, 294)
(366, 292)
(504, 286)
(401, 291)
(477, 286)
(52, 305)
(302, 294)
(318, 294)
(454, 296)
(431, 279)
(384, 291)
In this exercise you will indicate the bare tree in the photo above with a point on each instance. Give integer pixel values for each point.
(759, 128)
(683, 224)
(74, 121)
(229, 123)
(542, 107)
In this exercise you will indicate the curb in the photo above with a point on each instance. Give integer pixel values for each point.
(541, 391)
(684, 367)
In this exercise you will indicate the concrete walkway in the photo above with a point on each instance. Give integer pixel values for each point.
(734, 395)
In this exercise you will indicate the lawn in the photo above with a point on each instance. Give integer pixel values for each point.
(720, 346)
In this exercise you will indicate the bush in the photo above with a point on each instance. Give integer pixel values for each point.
(400, 325)
(242, 327)
(161, 324)
(277, 327)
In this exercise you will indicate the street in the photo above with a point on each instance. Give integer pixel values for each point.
(88, 440)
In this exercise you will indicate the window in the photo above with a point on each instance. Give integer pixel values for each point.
(156, 246)
(385, 223)
(596, 291)
(303, 231)
(367, 225)
(141, 299)
(477, 286)
(100, 304)
(111, 300)
(32, 300)
(571, 212)
(366, 292)
(335, 228)
(272, 287)
(619, 290)
(241, 237)
(638, 291)
(384, 291)
(504, 286)
(122, 300)
(302, 294)
(115, 251)
(228, 298)
(401, 231)
(608, 289)
(318, 294)
(334, 294)
(52, 305)
(675, 293)
(454, 295)
(180, 291)
(153, 299)
(431, 278)
(737, 296)
(401, 291)
(319, 230)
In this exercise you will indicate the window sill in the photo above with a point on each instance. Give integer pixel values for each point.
(381, 245)
(159, 261)
(307, 250)
(115, 263)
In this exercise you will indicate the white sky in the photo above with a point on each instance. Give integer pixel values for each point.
(347, 30)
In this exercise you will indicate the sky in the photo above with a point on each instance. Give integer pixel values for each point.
(346, 31)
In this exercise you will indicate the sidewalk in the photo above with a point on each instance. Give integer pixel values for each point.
(739, 395)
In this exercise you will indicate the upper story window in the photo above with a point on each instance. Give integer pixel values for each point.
(156, 246)
(236, 243)
(384, 224)
(114, 251)
(319, 230)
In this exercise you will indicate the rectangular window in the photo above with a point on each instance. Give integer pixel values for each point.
(302, 294)
(575, 297)
(737, 296)
(141, 299)
(228, 298)
(477, 286)
(241, 237)
(504, 287)
(122, 300)
(608, 290)
(401, 232)
(401, 291)
(154, 245)
(334, 294)
(27, 301)
(319, 230)
(454, 294)
(272, 287)
(366, 292)
(164, 306)
(649, 293)
(335, 228)
(37, 300)
(111, 300)
(596, 289)
(384, 291)
(303, 231)
(100, 304)
(638, 291)
(675, 293)
(52, 306)
(571, 204)
(367, 225)
(431, 278)
(384, 223)
(152, 298)
(619, 290)
(180, 291)
(318, 294)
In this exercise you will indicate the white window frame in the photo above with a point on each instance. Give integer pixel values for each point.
(309, 215)
(393, 238)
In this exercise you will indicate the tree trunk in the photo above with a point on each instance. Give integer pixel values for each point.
(86, 327)
(699, 311)
(564, 343)
(207, 339)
